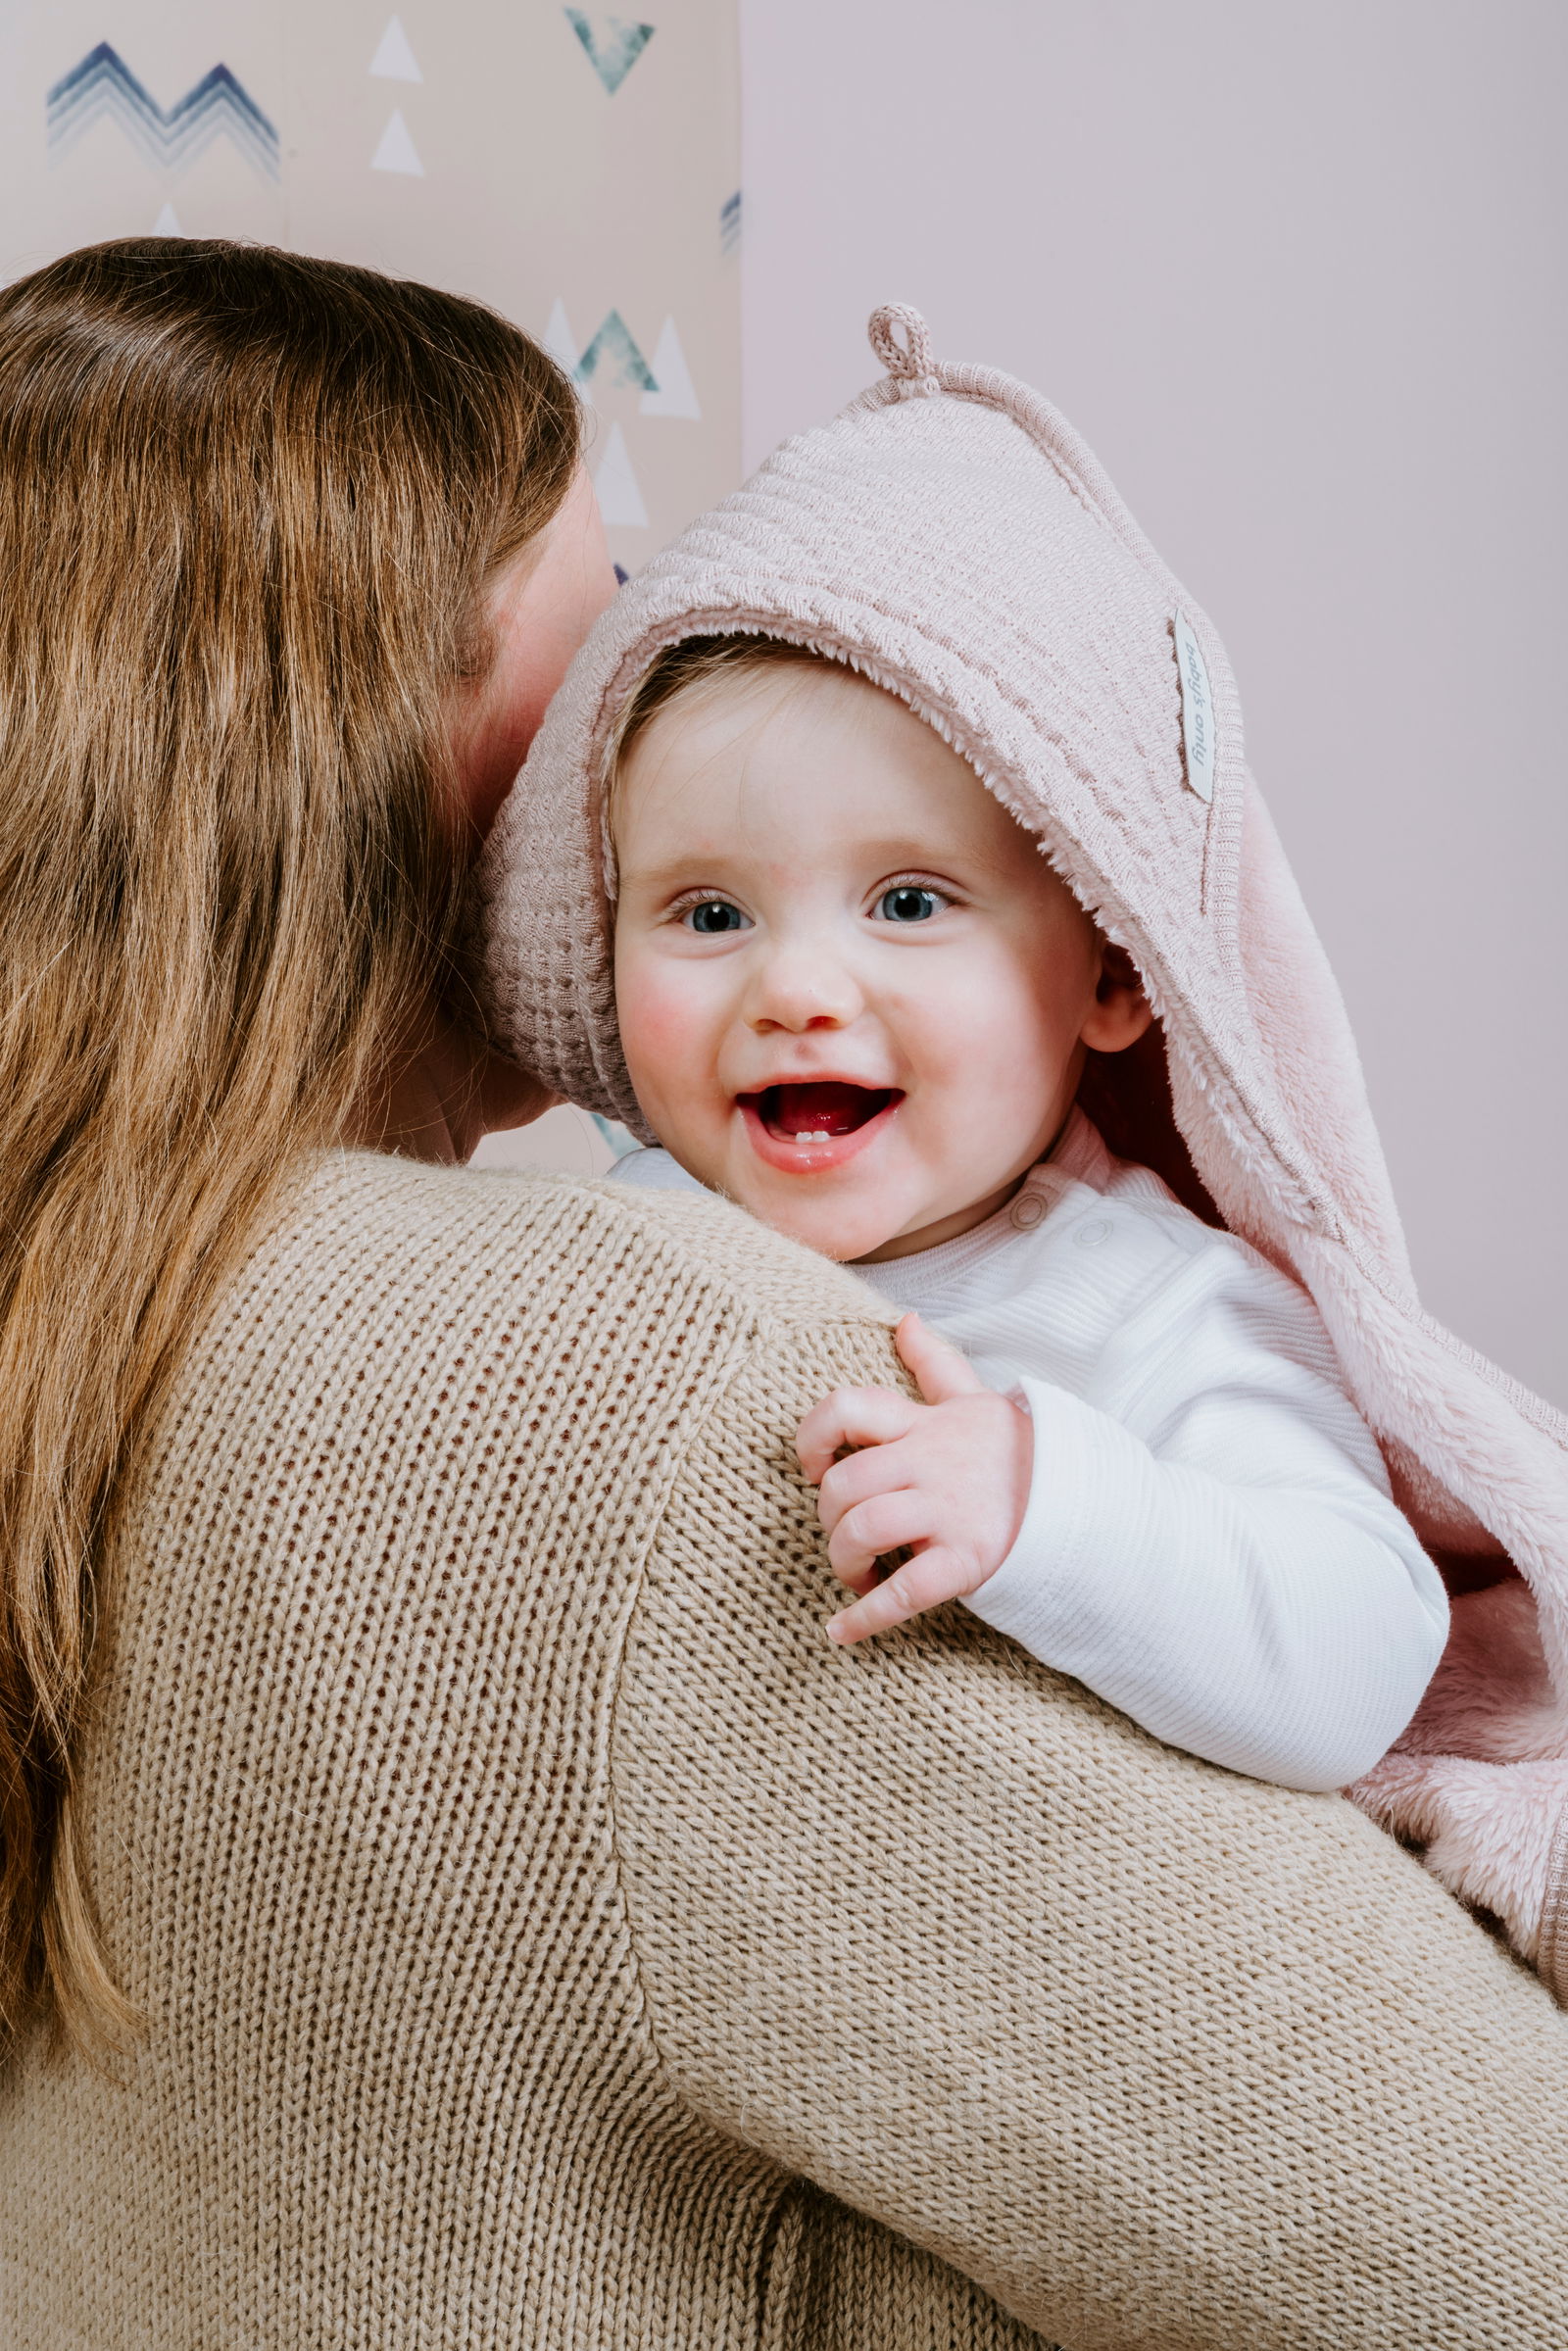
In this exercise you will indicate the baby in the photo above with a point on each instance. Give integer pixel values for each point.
(853, 997)
(890, 858)
(892, 866)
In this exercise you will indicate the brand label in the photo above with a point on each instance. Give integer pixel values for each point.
(1197, 709)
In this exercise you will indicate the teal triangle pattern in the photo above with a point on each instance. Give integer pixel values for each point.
(613, 349)
(612, 47)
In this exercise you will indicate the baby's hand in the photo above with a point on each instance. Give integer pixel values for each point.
(949, 1478)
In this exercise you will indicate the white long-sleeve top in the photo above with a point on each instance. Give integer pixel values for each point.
(1209, 1541)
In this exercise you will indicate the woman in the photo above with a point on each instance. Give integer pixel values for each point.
(453, 1894)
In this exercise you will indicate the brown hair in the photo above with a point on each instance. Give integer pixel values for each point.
(249, 507)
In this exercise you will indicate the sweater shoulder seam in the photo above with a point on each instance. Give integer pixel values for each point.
(747, 1345)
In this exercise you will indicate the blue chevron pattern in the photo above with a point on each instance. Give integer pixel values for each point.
(104, 84)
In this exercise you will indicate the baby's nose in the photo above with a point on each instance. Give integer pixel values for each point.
(800, 987)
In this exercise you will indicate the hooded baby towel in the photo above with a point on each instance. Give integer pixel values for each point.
(949, 536)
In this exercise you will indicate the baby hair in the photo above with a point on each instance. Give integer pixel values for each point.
(682, 668)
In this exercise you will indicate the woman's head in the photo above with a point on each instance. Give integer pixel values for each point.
(266, 524)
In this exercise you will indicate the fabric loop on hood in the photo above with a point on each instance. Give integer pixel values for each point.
(909, 363)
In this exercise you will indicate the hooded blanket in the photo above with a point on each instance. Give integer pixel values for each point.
(950, 537)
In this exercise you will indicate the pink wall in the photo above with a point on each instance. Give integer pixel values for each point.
(1298, 273)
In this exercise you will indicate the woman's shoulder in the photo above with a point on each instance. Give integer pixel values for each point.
(421, 1362)
(432, 1247)
(451, 1350)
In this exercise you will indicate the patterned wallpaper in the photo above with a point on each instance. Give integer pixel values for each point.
(578, 170)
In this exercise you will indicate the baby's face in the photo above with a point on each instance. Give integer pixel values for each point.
(852, 995)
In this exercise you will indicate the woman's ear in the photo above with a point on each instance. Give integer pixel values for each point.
(1121, 1011)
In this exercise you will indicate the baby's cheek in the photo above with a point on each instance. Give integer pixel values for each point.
(990, 1072)
(666, 1033)
(971, 1050)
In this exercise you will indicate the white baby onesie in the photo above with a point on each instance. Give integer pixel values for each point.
(1209, 1541)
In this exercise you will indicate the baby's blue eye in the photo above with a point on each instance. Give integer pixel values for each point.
(712, 916)
(909, 902)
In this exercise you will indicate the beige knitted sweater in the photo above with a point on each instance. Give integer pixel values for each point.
(548, 1939)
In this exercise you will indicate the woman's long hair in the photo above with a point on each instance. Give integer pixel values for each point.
(249, 507)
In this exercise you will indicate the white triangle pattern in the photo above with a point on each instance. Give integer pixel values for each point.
(397, 151)
(393, 60)
(167, 224)
(676, 395)
(560, 341)
(621, 500)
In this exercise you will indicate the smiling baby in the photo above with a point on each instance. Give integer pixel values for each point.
(853, 997)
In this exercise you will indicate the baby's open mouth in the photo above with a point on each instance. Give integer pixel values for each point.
(818, 1112)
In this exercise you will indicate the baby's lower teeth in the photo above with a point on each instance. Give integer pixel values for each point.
(813, 1134)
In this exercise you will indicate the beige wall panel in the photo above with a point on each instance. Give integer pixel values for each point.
(489, 153)
(1296, 274)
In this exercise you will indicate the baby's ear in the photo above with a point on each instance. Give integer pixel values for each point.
(1121, 1010)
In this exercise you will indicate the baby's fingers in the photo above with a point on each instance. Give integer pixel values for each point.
(923, 1582)
(939, 1368)
(851, 1416)
(853, 1478)
(883, 1522)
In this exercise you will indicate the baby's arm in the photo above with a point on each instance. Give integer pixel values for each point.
(1221, 1559)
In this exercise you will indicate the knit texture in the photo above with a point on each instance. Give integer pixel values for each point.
(951, 537)
(549, 1940)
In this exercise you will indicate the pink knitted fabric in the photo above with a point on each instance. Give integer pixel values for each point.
(952, 538)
